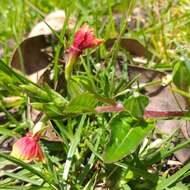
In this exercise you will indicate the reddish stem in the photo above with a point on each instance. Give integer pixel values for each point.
(147, 113)
(111, 108)
(152, 114)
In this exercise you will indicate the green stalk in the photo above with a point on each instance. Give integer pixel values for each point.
(69, 66)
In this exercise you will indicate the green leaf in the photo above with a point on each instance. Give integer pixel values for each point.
(6, 132)
(172, 179)
(181, 75)
(126, 135)
(49, 108)
(179, 186)
(36, 91)
(73, 148)
(91, 183)
(55, 97)
(84, 102)
(181, 92)
(24, 178)
(25, 166)
(135, 105)
(10, 72)
(75, 88)
(164, 152)
(24, 188)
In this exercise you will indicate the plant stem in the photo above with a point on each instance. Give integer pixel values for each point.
(69, 66)
(147, 113)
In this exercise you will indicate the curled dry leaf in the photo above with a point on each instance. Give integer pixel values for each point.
(131, 45)
(55, 20)
(146, 76)
(161, 98)
(183, 155)
(31, 56)
(6, 144)
(51, 135)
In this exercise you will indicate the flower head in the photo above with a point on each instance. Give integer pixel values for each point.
(84, 38)
(27, 148)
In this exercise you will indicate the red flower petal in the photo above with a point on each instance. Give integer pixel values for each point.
(84, 38)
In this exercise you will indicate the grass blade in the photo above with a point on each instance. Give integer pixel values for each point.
(73, 148)
(172, 179)
(25, 166)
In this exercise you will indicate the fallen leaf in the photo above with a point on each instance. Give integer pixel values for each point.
(131, 45)
(55, 20)
(29, 56)
(161, 98)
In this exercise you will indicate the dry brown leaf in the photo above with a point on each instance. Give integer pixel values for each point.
(55, 20)
(131, 45)
(162, 99)
(183, 155)
(29, 56)
(50, 135)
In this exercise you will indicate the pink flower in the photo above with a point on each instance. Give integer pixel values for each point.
(27, 148)
(84, 38)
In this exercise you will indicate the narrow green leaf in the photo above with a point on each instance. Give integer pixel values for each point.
(6, 132)
(91, 183)
(10, 72)
(73, 148)
(49, 108)
(179, 186)
(24, 178)
(181, 92)
(6, 187)
(36, 91)
(164, 153)
(172, 179)
(25, 166)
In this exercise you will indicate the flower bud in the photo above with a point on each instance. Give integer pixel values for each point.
(27, 148)
(84, 38)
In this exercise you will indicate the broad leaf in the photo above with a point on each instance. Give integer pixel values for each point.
(135, 105)
(126, 135)
(181, 75)
(84, 102)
